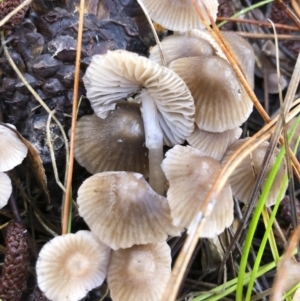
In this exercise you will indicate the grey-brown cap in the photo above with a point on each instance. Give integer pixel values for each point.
(244, 54)
(5, 189)
(122, 210)
(12, 149)
(179, 46)
(116, 143)
(69, 266)
(221, 103)
(179, 15)
(119, 74)
(191, 176)
(140, 272)
(242, 180)
(213, 144)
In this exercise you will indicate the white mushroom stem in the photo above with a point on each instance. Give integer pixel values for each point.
(154, 142)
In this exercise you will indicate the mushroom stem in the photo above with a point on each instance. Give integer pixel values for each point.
(154, 142)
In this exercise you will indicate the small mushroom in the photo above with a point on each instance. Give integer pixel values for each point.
(167, 104)
(180, 15)
(12, 149)
(221, 102)
(242, 180)
(116, 143)
(123, 210)
(244, 54)
(69, 266)
(5, 189)
(213, 144)
(191, 176)
(178, 46)
(140, 272)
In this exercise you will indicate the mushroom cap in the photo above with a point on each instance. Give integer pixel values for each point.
(112, 144)
(220, 100)
(213, 144)
(122, 210)
(178, 46)
(244, 53)
(191, 176)
(179, 15)
(5, 189)
(12, 149)
(242, 180)
(140, 272)
(119, 74)
(69, 266)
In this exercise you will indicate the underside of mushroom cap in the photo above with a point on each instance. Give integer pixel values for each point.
(243, 179)
(180, 15)
(140, 272)
(112, 144)
(12, 149)
(191, 176)
(213, 144)
(221, 102)
(122, 210)
(178, 46)
(69, 266)
(118, 74)
(5, 189)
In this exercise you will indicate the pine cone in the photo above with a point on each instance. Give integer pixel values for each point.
(37, 295)
(6, 6)
(14, 272)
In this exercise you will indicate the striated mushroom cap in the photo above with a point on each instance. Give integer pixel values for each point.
(5, 189)
(140, 272)
(220, 100)
(12, 149)
(119, 74)
(122, 210)
(191, 176)
(69, 266)
(242, 180)
(244, 54)
(179, 15)
(213, 145)
(112, 144)
(176, 46)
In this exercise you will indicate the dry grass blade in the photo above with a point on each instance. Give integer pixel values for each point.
(67, 196)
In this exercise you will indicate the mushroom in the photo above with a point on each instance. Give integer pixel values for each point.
(69, 266)
(244, 54)
(178, 46)
(120, 139)
(221, 102)
(180, 15)
(5, 189)
(167, 104)
(123, 210)
(12, 149)
(213, 144)
(191, 176)
(242, 180)
(140, 272)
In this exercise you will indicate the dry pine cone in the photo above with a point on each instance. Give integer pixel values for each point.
(14, 272)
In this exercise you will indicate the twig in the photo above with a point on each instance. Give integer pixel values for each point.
(12, 13)
(67, 197)
(258, 23)
(266, 36)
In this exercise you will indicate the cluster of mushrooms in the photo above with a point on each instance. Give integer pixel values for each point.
(140, 106)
